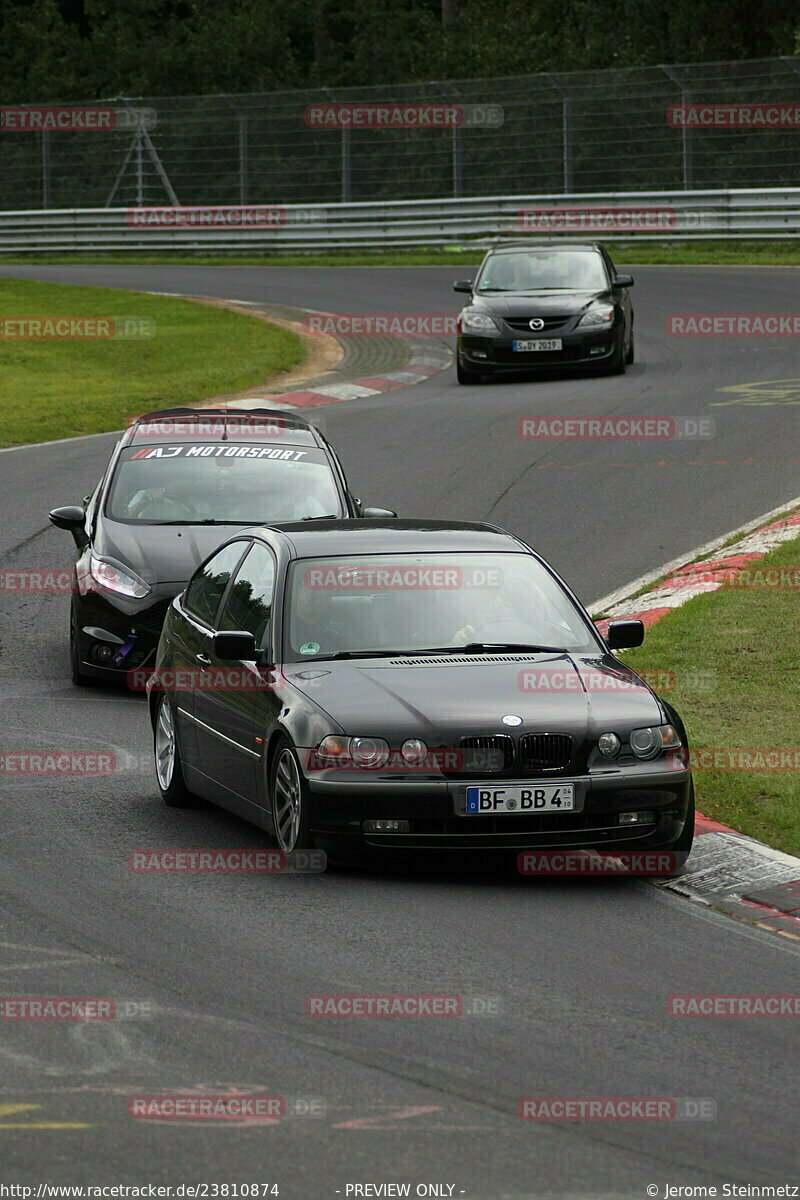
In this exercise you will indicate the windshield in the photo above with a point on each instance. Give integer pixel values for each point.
(413, 603)
(234, 483)
(534, 270)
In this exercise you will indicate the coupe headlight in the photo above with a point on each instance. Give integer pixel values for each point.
(116, 580)
(647, 743)
(477, 322)
(609, 745)
(599, 315)
(367, 752)
(414, 752)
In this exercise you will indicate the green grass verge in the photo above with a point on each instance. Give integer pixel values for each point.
(708, 253)
(735, 654)
(63, 388)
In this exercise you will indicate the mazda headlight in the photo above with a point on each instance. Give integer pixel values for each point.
(647, 743)
(599, 316)
(114, 579)
(477, 322)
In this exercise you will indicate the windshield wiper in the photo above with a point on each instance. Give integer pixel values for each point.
(204, 521)
(324, 517)
(480, 647)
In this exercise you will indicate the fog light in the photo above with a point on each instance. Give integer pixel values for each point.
(103, 653)
(609, 745)
(479, 354)
(636, 818)
(598, 350)
(414, 751)
(386, 827)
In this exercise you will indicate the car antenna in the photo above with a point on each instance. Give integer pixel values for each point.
(224, 437)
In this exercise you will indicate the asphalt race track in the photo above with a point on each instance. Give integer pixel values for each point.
(215, 969)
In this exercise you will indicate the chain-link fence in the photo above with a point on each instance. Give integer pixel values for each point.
(587, 131)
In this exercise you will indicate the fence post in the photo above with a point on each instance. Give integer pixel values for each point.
(345, 164)
(687, 149)
(243, 161)
(566, 135)
(45, 170)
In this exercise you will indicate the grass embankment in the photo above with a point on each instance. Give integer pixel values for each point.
(735, 654)
(707, 253)
(66, 386)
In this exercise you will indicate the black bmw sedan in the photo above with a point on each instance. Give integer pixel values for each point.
(368, 687)
(544, 305)
(179, 482)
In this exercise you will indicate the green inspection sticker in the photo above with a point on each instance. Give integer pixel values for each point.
(310, 648)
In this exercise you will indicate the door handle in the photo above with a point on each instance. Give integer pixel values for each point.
(203, 659)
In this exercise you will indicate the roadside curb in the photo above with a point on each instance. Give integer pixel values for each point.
(424, 357)
(726, 870)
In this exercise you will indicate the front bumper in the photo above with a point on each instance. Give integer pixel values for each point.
(133, 626)
(584, 347)
(340, 802)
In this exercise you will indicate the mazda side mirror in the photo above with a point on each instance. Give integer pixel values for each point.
(235, 645)
(624, 635)
(375, 513)
(621, 281)
(463, 285)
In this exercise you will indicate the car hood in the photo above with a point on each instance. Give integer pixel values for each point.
(160, 553)
(443, 701)
(528, 304)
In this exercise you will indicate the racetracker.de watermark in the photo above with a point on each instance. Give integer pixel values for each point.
(390, 115)
(728, 758)
(223, 216)
(615, 429)
(398, 1005)
(235, 425)
(734, 116)
(616, 1108)
(46, 581)
(204, 679)
(47, 328)
(59, 118)
(72, 1008)
(758, 1004)
(57, 762)
(207, 1108)
(594, 863)
(606, 220)
(227, 862)
(434, 325)
(754, 324)
(547, 679)
(391, 577)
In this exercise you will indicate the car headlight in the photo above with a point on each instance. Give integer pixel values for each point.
(477, 322)
(114, 579)
(367, 752)
(647, 743)
(598, 315)
(414, 752)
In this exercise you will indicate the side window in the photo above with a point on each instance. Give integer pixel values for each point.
(206, 588)
(249, 603)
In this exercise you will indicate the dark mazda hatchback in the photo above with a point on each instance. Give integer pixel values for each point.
(368, 687)
(179, 482)
(545, 305)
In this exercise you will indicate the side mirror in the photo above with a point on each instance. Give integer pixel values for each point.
(378, 512)
(235, 645)
(72, 518)
(621, 281)
(624, 635)
(463, 285)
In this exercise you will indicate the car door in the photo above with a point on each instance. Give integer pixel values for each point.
(234, 704)
(196, 613)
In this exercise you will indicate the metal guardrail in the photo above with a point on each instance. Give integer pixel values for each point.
(615, 216)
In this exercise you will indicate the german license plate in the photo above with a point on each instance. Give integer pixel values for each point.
(538, 344)
(488, 801)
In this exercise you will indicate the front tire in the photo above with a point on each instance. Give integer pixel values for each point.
(629, 357)
(617, 364)
(465, 376)
(288, 792)
(79, 676)
(167, 758)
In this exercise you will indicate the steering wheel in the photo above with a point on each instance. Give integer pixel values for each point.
(171, 498)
